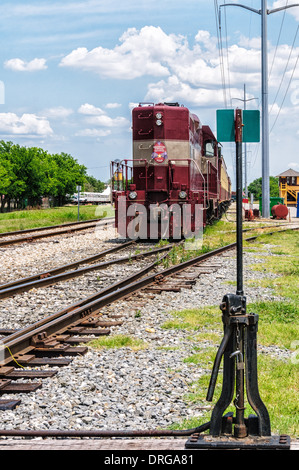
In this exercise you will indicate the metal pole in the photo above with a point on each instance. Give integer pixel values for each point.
(238, 135)
(264, 12)
(245, 150)
(265, 117)
(78, 203)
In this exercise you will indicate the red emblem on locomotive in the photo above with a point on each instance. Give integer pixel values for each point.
(160, 153)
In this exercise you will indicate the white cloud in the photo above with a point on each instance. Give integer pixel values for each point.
(27, 124)
(59, 112)
(140, 53)
(98, 117)
(293, 165)
(175, 90)
(90, 109)
(132, 105)
(190, 73)
(107, 121)
(254, 43)
(113, 105)
(19, 65)
(93, 133)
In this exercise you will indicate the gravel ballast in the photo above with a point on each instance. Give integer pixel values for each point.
(115, 388)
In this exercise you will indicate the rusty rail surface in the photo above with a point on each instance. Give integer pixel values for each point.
(105, 433)
(51, 227)
(55, 275)
(30, 238)
(61, 269)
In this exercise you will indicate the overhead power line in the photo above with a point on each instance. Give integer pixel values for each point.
(279, 35)
(286, 67)
(285, 95)
(220, 50)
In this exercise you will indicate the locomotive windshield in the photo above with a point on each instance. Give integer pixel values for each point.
(209, 148)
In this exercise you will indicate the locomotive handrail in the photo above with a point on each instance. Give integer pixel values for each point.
(140, 132)
(144, 148)
(204, 181)
(140, 116)
(189, 160)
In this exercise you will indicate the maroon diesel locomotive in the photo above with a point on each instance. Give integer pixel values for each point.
(177, 168)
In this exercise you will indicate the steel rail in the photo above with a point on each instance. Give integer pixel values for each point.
(83, 303)
(60, 269)
(14, 241)
(51, 280)
(50, 227)
(105, 433)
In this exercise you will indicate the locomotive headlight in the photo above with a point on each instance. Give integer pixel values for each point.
(182, 195)
(159, 117)
(133, 195)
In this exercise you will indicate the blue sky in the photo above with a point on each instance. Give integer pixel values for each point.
(71, 70)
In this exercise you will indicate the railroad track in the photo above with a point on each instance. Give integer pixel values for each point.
(55, 340)
(63, 273)
(29, 235)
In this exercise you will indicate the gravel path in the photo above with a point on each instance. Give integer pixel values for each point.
(115, 388)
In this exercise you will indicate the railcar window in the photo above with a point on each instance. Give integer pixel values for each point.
(209, 150)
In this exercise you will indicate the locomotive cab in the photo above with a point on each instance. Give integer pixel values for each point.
(171, 169)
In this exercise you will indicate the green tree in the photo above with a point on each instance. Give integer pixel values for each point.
(32, 173)
(68, 175)
(256, 187)
(91, 184)
(13, 185)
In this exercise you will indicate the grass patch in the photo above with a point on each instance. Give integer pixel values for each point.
(218, 234)
(278, 326)
(278, 387)
(278, 323)
(22, 220)
(118, 341)
(193, 319)
(285, 264)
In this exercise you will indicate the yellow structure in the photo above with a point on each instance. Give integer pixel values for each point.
(289, 186)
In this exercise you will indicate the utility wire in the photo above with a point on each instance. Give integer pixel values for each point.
(286, 67)
(227, 56)
(279, 35)
(290, 81)
(220, 49)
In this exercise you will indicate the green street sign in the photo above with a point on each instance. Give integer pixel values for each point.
(226, 125)
(251, 126)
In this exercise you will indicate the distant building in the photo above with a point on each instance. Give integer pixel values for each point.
(289, 186)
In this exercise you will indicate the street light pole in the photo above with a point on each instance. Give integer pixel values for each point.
(264, 12)
(265, 117)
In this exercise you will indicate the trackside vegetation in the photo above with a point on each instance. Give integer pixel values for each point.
(22, 220)
(278, 361)
(29, 173)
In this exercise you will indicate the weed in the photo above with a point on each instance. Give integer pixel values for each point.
(118, 341)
